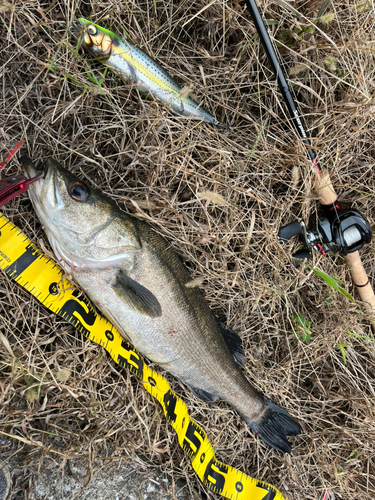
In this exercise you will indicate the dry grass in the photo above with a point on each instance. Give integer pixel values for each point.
(137, 151)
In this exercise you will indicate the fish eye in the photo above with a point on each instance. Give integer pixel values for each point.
(92, 30)
(78, 191)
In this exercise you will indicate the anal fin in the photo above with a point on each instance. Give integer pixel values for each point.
(205, 396)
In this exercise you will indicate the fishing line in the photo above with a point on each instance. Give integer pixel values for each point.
(287, 91)
(44, 279)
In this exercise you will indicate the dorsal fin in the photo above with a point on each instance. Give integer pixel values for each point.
(234, 344)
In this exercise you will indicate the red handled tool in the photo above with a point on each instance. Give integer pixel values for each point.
(12, 186)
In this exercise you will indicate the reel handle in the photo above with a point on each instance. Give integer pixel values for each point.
(287, 232)
(300, 255)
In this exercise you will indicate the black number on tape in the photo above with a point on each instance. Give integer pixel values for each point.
(22, 263)
(53, 288)
(239, 486)
(135, 363)
(109, 335)
(73, 306)
(213, 478)
(170, 401)
(271, 492)
(194, 438)
(152, 381)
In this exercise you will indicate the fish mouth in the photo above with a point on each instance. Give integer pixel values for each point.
(50, 189)
(45, 198)
(29, 167)
(76, 28)
(80, 30)
(44, 192)
(30, 172)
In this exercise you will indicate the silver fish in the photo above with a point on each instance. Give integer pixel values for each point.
(134, 66)
(139, 283)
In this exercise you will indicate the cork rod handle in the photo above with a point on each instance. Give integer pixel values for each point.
(328, 196)
(362, 283)
(324, 188)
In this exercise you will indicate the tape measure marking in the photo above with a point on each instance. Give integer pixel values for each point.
(40, 276)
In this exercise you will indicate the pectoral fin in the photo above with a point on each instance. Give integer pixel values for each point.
(137, 296)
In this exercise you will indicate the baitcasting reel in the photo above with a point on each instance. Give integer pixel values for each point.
(344, 231)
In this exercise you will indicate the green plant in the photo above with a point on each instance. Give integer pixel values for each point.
(302, 329)
(332, 282)
(342, 349)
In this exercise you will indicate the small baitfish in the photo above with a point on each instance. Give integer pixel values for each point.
(134, 66)
(134, 277)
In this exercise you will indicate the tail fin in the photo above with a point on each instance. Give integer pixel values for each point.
(275, 426)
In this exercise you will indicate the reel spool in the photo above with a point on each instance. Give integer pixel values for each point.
(341, 232)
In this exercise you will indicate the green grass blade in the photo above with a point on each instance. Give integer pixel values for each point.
(351, 334)
(323, 8)
(342, 349)
(333, 283)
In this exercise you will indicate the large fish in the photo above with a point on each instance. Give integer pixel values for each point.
(137, 280)
(134, 66)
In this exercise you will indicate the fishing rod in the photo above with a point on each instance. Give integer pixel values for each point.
(338, 230)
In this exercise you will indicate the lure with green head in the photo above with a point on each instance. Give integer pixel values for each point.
(136, 67)
(97, 40)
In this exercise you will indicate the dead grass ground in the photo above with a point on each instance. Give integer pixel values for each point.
(154, 164)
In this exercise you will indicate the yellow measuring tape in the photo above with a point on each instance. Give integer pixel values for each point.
(42, 277)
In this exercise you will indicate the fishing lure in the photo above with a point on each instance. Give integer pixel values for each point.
(134, 66)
